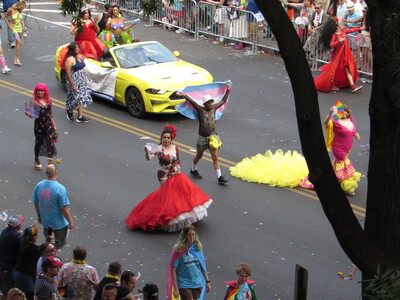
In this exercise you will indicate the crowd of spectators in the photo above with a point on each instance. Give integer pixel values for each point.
(32, 271)
(240, 21)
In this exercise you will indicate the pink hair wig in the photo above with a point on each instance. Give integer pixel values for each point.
(42, 87)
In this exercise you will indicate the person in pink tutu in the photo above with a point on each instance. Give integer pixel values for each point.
(178, 201)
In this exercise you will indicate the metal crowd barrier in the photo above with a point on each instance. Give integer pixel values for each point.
(208, 19)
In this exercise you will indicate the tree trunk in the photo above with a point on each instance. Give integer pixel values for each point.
(353, 240)
(382, 222)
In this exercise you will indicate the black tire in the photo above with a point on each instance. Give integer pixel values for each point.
(64, 79)
(134, 103)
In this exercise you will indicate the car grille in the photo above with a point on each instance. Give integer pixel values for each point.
(174, 96)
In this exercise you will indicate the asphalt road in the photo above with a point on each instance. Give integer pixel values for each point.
(104, 169)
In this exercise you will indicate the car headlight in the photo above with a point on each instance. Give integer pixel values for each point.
(156, 91)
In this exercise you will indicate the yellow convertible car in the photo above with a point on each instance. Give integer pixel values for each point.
(144, 77)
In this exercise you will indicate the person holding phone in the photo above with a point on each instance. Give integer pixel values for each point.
(86, 35)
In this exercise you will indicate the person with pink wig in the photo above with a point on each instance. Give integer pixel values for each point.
(45, 128)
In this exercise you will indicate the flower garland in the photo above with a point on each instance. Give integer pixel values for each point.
(171, 129)
(112, 276)
(80, 262)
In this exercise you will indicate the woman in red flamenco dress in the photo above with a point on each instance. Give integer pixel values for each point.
(89, 44)
(342, 70)
(178, 201)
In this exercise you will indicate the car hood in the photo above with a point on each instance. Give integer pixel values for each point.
(173, 74)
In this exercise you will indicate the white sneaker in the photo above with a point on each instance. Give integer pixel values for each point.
(180, 31)
(6, 70)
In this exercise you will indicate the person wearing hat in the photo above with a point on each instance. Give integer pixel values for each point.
(150, 291)
(352, 18)
(206, 117)
(9, 245)
(45, 288)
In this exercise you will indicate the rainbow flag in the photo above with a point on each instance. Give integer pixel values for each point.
(216, 90)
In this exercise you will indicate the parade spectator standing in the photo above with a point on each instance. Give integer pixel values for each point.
(78, 276)
(109, 292)
(13, 18)
(150, 291)
(206, 129)
(251, 20)
(352, 18)
(238, 27)
(52, 206)
(220, 18)
(114, 273)
(242, 287)
(316, 21)
(358, 7)
(127, 285)
(15, 294)
(46, 250)
(341, 9)
(10, 35)
(9, 245)
(45, 289)
(28, 255)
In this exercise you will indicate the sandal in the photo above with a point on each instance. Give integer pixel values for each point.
(17, 62)
(37, 164)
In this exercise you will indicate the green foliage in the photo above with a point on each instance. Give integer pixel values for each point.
(384, 286)
(150, 7)
(71, 7)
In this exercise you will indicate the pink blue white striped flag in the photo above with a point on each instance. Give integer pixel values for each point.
(216, 90)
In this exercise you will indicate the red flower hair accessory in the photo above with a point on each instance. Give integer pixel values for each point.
(336, 20)
(171, 129)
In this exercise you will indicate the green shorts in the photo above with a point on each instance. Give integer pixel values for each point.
(203, 143)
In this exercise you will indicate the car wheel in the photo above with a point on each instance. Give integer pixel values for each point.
(64, 79)
(134, 103)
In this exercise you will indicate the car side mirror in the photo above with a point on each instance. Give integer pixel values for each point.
(106, 64)
(176, 53)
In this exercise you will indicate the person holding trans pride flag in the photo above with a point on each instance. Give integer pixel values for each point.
(206, 113)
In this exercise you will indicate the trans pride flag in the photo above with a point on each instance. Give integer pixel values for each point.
(216, 90)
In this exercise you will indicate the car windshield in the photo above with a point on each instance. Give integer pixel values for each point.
(132, 56)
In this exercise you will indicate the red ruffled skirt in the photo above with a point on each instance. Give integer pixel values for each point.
(91, 48)
(176, 203)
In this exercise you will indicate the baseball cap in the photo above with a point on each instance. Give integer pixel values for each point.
(350, 6)
(150, 290)
(207, 98)
(52, 261)
(15, 221)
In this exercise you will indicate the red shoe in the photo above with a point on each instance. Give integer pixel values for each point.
(355, 88)
(334, 87)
